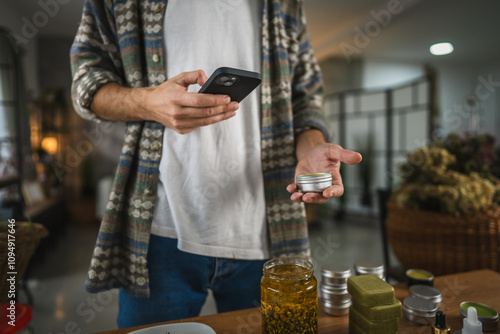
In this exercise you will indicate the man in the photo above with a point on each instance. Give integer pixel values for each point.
(200, 195)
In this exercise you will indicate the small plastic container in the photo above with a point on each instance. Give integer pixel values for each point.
(486, 314)
(419, 276)
(419, 311)
(335, 274)
(426, 292)
(472, 325)
(313, 183)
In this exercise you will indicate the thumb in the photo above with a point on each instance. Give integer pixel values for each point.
(193, 77)
(346, 156)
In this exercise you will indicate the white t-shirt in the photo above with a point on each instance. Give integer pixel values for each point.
(211, 191)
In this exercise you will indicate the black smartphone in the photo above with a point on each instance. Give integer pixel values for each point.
(233, 82)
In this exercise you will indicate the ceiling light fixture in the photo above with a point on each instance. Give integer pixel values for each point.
(440, 49)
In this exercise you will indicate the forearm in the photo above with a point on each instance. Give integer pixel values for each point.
(306, 141)
(116, 103)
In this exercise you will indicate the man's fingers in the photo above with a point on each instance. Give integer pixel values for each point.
(349, 157)
(189, 99)
(189, 78)
(197, 100)
(308, 198)
(336, 190)
(196, 122)
(314, 198)
(291, 188)
(193, 112)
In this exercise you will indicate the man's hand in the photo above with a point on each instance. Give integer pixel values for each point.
(169, 103)
(322, 158)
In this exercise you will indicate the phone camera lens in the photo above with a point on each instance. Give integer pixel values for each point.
(222, 80)
(226, 80)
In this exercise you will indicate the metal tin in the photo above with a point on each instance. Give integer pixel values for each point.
(313, 183)
(426, 292)
(335, 274)
(363, 267)
(419, 311)
(419, 276)
(336, 309)
(489, 321)
(334, 294)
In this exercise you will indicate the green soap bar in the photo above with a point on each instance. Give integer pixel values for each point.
(381, 313)
(370, 327)
(353, 329)
(370, 290)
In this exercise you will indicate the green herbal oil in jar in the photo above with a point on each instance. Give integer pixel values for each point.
(289, 298)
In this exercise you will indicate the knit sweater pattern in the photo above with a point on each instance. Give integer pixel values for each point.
(121, 41)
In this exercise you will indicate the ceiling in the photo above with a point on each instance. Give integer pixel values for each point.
(405, 32)
(471, 26)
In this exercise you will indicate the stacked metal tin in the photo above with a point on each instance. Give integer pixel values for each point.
(363, 267)
(334, 296)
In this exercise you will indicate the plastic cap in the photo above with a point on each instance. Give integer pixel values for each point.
(440, 320)
(471, 324)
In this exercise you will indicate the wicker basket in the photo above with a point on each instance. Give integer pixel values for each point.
(444, 244)
(26, 240)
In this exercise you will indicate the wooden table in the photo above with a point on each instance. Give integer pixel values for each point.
(481, 286)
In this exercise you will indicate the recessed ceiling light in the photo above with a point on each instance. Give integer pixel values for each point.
(440, 49)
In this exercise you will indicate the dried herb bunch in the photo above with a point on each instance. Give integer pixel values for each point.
(474, 154)
(431, 182)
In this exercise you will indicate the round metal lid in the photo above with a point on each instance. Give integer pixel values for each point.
(368, 265)
(420, 306)
(426, 292)
(335, 270)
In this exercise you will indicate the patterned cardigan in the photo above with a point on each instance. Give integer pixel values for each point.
(122, 41)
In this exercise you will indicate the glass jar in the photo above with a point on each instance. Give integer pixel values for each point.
(289, 297)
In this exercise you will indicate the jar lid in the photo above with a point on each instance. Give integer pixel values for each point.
(335, 270)
(420, 306)
(426, 292)
(368, 266)
(314, 178)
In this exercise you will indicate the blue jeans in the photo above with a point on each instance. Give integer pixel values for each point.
(179, 281)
